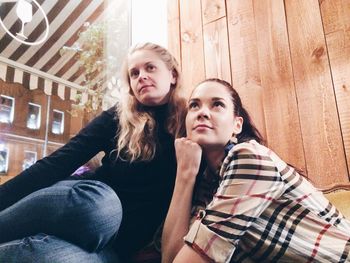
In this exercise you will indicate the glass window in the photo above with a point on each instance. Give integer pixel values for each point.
(29, 159)
(4, 155)
(34, 116)
(154, 28)
(58, 122)
(7, 105)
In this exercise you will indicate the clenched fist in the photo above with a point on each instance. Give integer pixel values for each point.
(188, 156)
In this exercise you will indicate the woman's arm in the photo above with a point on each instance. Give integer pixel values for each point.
(250, 183)
(187, 254)
(188, 155)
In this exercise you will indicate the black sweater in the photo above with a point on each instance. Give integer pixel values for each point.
(144, 188)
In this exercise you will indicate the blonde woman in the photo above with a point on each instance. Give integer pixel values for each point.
(117, 210)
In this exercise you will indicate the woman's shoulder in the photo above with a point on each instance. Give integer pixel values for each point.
(253, 152)
(249, 147)
(104, 123)
(111, 112)
(108, 115)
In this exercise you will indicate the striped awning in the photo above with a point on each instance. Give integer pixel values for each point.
(62, 74)
(31, 81)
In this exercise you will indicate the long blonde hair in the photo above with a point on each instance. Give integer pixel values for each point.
(136, 137)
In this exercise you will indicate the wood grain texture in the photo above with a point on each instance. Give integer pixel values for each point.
(213, 10)
(324, 150)
(244, 58)
(174, 42)
(279, 96)
(216, 50)
(290, 63)
(192, 50)
(336, 22)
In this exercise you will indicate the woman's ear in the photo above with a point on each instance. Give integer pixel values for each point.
(174, 77)
(238, 124)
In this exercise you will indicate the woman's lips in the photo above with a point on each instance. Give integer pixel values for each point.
(144, 88)
(202, 127)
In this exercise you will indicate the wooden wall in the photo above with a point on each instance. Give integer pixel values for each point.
(290, 62)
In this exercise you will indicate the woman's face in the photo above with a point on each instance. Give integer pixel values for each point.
(150, 79)
(210, 120)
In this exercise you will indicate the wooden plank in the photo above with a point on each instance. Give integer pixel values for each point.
(244, 58)
(216, 50)
(324, 150)
(213, 10)
(192, 51)
(174, 42)
(336, 22)
(279, 100)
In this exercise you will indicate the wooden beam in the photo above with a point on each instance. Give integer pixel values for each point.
(336, 23)
(244, 58)
(279, 96)
(324, 149)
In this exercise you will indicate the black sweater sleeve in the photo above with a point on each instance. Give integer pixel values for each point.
(95, 137)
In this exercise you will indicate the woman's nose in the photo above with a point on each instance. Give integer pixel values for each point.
(143, 75)
(203, 113)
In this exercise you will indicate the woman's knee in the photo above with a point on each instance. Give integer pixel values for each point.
(95, 200)
(93, 215)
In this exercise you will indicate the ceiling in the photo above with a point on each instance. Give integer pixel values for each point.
(42, 66)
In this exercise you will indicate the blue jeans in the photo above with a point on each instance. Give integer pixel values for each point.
(79, 220)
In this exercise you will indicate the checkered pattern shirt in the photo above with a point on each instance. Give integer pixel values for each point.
(262, 210)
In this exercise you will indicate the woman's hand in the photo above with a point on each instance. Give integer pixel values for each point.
(188, 156)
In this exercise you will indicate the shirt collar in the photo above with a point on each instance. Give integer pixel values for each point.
(228, 147)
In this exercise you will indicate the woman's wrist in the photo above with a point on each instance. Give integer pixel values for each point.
(186, 177)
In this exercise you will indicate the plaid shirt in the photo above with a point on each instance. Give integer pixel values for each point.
(264, 211)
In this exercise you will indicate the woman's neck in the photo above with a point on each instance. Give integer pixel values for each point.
(214, 158)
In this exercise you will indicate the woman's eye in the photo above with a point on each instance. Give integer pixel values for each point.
(218, 104)
(133, 74)
(193, 105)
(151, 67)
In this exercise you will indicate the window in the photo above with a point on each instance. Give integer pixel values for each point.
(34, 116)
(29, 159)
(154, 28)
(4, 155)
(58, 122)
(7, 105)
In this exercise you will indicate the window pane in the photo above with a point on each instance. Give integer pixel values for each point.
(3, 159)
(29, 159)
(34, 116)
(6, 109)
(154, 28)
(57, 122)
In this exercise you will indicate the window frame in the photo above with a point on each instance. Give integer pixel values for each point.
(38, 121)
(53, 122)
(12, 111)
(35, 158)
(7, 150)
